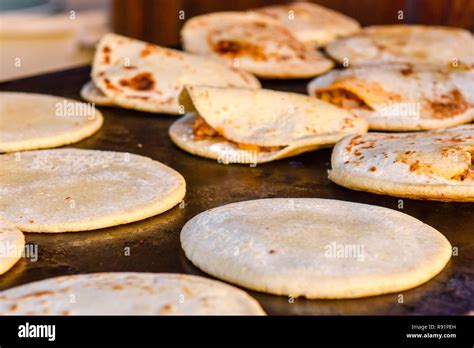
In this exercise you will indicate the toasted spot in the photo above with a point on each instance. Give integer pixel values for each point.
(448, 105)
(149, 49)
(141, 82)
(235, 48)
(166, 309)
(110, 85)
(37, 294)
(407, 71)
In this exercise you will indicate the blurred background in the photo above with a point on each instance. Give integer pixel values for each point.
(38, 36)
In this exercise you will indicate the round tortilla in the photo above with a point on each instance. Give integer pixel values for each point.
(90, 93)
(127, 294)
(37, 121)
(68, 190)
(311, 23)
(12, 243)
(316, 248)
(419, 44)
(434, 165)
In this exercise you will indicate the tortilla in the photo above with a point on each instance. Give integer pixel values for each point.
(316, 248)
(89, 92)
(12, 243)
(255, 126)
(311, 23)
(36, 121)
(138, 75)
(68, 190)
(405, 44)
(256, 42)
(401, 97)
(435, 165)
(127, 294)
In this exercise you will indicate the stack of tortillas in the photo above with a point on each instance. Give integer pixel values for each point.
(66, 190)
(138, 75)
(315, 248)
(34, 121)
(127, 294)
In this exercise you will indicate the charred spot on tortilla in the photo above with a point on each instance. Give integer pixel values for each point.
(107, 50)
(235, 48)
(110, 85)
(141, 82)
(407, 70)
(149, 49)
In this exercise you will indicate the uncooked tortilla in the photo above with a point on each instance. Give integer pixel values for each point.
(316, 248)
(66, 190)
(127, 294)
(36, 121)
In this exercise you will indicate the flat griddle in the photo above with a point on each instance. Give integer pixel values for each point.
(154, 243)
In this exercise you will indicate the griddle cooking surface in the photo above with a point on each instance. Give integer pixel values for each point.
(154, 243)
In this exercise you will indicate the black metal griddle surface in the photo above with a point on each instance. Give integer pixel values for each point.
(154, 243)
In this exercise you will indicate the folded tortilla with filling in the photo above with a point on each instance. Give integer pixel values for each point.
(401, 97)
(138, 75)
(255, 126)
(255, 42)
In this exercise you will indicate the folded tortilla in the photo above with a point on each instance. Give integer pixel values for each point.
(401, 97)
(255, 126)
(255, 42)
(138, 75)
(311, 23)
(405, 43)
(434, 165)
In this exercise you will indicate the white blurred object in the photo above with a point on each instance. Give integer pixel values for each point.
(33, 42)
